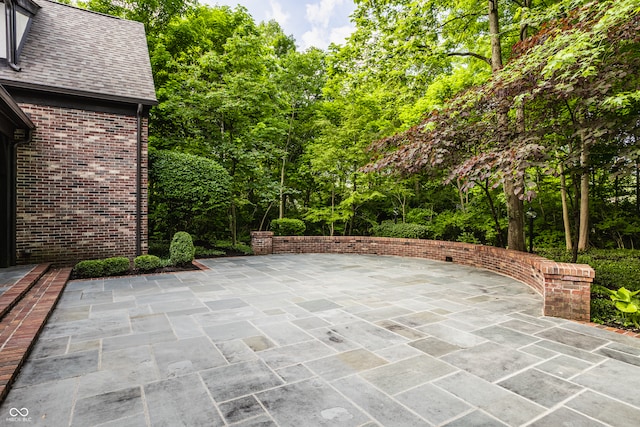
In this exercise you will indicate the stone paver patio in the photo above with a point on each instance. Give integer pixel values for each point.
(321, 340)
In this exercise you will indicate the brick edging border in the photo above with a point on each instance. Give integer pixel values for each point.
(565, 288)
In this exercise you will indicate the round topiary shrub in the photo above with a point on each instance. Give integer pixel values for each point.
(89, 268)
(147, 262)
(116, 266)
(182, 250)
(288, 227)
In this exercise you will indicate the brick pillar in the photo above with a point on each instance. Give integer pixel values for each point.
(262, 242)
(567, 290)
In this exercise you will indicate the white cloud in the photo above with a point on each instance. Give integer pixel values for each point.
(320, 13)
(315, 37)
(320, 16)
(340, 34)
(277, 13)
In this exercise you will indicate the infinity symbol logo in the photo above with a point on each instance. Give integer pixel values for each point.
(14, 412)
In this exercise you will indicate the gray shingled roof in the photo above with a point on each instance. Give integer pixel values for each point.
(77, 52)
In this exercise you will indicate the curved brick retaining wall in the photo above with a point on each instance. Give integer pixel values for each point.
(565, 288)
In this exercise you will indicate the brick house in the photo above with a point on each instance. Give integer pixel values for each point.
(76, 88)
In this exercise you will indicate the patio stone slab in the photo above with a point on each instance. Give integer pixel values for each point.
(434, 346)
(343, 364)
(280, 357)
(495, 400)
(318, 305)
(107, 407)
(47, 403)
(491, 361)
(419, 319)
(540, 387)
(367, 335)
(400, 376)
(226, 304)
(231, 331)
(602, 408)
(310, 403)
(399, 329)
(176, 358)
(476, 419)
(333, 339)
(260, 421)
(258, 343)
(241, 409)
(380, 406)
(505, 336)
(284, 333)
(563, 417)
(609, 378)
(433, 403)
(619, 355)
(181, 401)
(54, 368)
(295, 373)
(564, 366)
(574, 339)
(233, 381)
(322, 340)
(236, 351)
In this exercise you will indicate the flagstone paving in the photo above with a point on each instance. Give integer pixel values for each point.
(321, 340)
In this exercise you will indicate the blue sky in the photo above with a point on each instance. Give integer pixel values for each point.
(312, 22)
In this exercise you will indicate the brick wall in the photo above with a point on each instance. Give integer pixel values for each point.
(76, 186)
(565, 288)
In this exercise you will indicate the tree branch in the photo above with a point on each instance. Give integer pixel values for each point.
(475, 55)
(455, 18)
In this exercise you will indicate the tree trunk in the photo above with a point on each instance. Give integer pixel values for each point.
(284, 163)
(583, 237)
(515, 213)
(233, 221)
(576, 216)
(637, 187)
(565, 210)
(494, 31)
(515, 206)
(494, 214)
(333, 203)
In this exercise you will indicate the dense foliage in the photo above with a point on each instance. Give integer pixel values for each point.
(456, 116)
(187, 192)
(288, 227)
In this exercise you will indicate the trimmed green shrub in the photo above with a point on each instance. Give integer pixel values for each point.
(182, 250)
(147, 262)
(288, 227)
(401, 230)
(89, 268)
(116, 266)
(186, 192)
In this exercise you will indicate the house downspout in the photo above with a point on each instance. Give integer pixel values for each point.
(139, 180)
(10, 23)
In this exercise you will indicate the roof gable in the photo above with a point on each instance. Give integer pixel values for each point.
(73, 51)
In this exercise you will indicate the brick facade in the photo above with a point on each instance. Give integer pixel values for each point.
(565, 288)
(76, 186)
